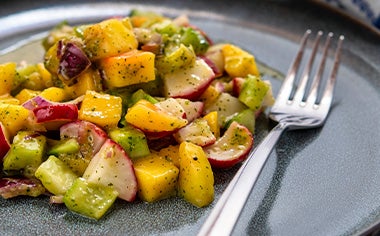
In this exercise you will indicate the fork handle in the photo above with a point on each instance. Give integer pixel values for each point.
(225, 214)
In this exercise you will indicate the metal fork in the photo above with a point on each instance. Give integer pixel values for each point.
(299, 105)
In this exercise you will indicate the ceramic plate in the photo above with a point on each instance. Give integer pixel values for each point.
(316, 182)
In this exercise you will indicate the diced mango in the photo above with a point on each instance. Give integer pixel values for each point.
(148, 117)
(33, 76)
(54, 94)
(7, 74)
(133, 67)
(209, 96)
(26, 94)
(8, 99)
(88, 80)
(13, 117)
(108, 38)
(156, 177)
(237, 62)
(170, 153)
(212, 120)
(101, 109)
(51, 59)
(144, 18)
(196, 179)
(45, 75)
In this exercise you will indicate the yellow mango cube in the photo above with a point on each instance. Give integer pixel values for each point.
(88, 80)
(26, 94)
(238, 63)
(13, 117)
(170, 153)
(101, 109)
(54, 94)
(156, 177)
(45, 75)
(150, 118)
(196, 179)
(109, 38)
(8, 99)
(209, 96)
(212, 121)
(7, 74)
(129, 68)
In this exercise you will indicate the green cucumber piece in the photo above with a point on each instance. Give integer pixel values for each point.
(77, 162)
(141, 94)
(246, 117)
(226, 105)
(253, 92)
(165, 26)
(177, 57)
(68, 146)
(132, 140)
(55, 176)
(194, 38)
(26, 153)
(89, 199)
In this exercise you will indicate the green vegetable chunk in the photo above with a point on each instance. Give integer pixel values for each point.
(177, 57)
(245, 117)
(194, 38)
(253, 92)
(141, 94)
(68, 146)
(88, 199)
(132, 140)
(55, 176)
(26, 153)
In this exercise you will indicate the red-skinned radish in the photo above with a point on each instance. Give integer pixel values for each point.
(232, 148)
(111, 166)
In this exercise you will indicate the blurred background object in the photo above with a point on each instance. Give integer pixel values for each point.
(365, 11)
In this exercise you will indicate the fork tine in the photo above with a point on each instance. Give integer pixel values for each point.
(329, 90)
(300, 93)
(287, 84)
(317, 78)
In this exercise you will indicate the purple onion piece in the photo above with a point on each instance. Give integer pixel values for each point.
(13, 187)
(73, 62)
(37, 101)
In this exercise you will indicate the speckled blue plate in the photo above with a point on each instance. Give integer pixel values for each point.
(316, 182)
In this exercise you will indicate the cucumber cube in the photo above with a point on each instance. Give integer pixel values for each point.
(26, 153)
(132, 140)
(253, 92)
(68, 146)
(89, 199)
(246, 117)
(55, 176)
(140, 94)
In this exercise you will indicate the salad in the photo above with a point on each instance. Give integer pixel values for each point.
(143, 106)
